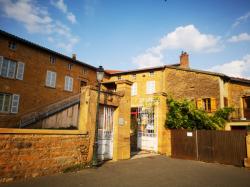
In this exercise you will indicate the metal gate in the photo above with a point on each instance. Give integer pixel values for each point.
(105, 133)
(226, 147)
(147, 130)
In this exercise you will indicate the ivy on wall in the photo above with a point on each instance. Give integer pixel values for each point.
(184, 115)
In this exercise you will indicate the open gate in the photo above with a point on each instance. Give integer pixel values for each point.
(105, 133)
(147, 130)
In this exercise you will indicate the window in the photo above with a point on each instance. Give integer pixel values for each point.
(84, 71)
(51, 79)
(52, 59)
(12, 45)
(119, 77)
(9, 103)
(134, 89)
(207, 104)
(133, 76)
(68, 86)
(11, 69)
(70, 66)
(150, 87)
(151, 73)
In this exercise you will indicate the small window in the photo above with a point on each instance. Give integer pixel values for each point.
(133, 76)
(52, 59)
(68, 86)
(134, 89)
(206, 104)
(119, 77)
(84, 71)
(150, 87)
(51, 79)
(151, 73)
(12, 45)
(70, 66)
(9, 103)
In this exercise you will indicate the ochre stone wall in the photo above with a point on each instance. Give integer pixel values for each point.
(30, 155)
(32, 90)
(235, 94)
(182, 84)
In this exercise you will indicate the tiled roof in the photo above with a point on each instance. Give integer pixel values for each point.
(43, 48)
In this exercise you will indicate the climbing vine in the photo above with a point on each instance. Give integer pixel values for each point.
(184, 115)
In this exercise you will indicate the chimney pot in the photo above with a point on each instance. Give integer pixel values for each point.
(184, 60)
(74, 56)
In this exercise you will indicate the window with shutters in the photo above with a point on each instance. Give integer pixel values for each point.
(134, 89)
(150, 87)
(11, 69)
(207, 104)
(68, 86)
(9, 103)
(51, 79)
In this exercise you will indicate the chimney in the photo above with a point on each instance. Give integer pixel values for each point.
(184, 61)
(74, 56)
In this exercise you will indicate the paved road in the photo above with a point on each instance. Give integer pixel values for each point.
(152, 171)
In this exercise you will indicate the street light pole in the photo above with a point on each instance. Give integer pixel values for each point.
(100, 74)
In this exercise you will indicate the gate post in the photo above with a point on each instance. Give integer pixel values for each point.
(164, 140)
(122, 121)
(87, 116)
(247, 160)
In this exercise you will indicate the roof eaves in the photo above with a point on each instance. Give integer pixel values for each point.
(44, 48)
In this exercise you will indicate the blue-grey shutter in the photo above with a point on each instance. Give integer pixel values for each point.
(1, 64)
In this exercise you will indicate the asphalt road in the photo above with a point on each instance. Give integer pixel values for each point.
(151, 171)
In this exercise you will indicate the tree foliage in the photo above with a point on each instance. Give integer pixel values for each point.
(185, 115)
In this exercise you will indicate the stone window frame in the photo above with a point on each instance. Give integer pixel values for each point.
(134, 89)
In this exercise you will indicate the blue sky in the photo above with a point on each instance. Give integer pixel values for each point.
(138, 33)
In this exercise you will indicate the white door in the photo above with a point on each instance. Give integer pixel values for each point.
(147, 130)
(105, 133)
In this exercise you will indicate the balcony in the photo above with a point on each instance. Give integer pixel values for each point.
(240, 114)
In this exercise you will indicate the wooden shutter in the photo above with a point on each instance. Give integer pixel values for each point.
(48, 77)
(1, 64)
(66, 83)
(15, 103)
(70, 84)
(53, 76)
(213, 105)
(20, 71)
(199, 104)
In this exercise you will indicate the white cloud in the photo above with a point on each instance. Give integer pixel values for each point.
(235, 68)
(187, 38)
(240, 37)
(241, 19)
(36, 19)
(59, 4)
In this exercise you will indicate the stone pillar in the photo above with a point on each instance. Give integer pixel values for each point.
(87, 116)
(163, 133)
(122, 121)
(247, 160)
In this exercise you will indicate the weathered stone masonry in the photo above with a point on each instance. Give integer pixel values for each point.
(30, 155)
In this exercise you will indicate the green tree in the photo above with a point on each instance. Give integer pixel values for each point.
(185, 115)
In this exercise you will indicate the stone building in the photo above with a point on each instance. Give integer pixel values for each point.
(208, 90)
(33, 77)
